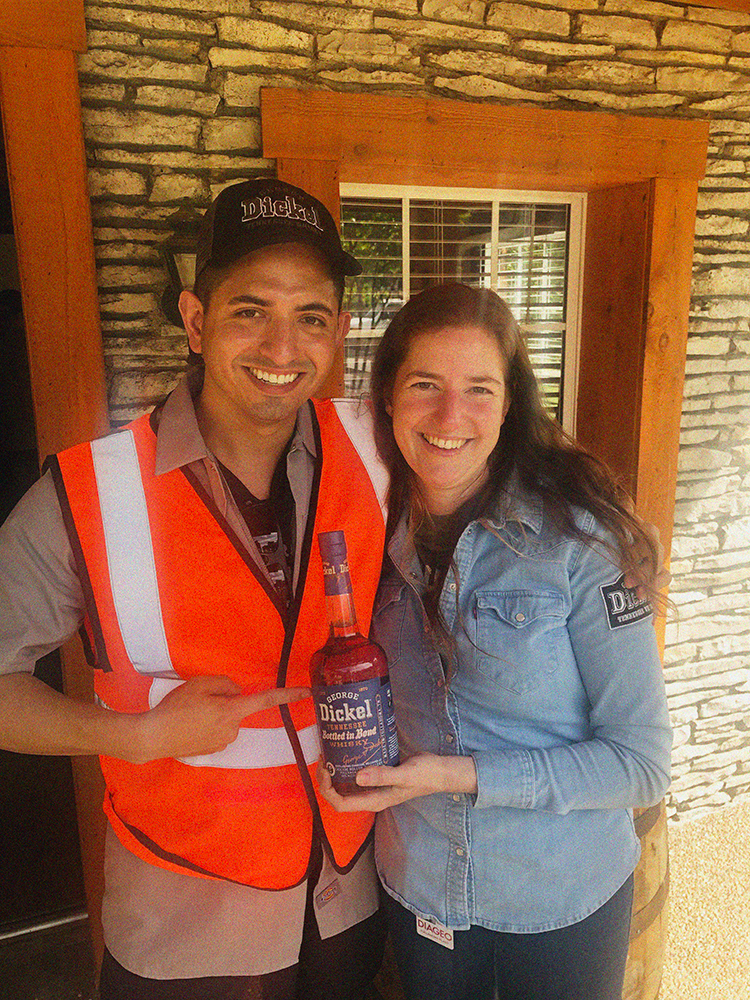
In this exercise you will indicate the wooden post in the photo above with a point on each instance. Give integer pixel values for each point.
(610, 372)
(670, 276)
(52, 221)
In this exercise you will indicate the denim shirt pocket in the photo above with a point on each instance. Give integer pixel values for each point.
(515, 645)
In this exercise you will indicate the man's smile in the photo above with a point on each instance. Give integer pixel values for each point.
(274, 378)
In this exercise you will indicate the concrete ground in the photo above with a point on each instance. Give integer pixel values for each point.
(708, 951)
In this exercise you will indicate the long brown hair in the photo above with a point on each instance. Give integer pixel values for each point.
(532, 444)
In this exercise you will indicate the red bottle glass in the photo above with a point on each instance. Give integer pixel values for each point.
(350, 684)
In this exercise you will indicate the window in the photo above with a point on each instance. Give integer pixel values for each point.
(524, 245)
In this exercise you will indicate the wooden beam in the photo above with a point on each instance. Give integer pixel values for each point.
(612, 319)
(469, 175)
(666, 329)
(48, 24)
(375, 134)
(52, 222)
(665, 347)
(54, 242)
(743, 6)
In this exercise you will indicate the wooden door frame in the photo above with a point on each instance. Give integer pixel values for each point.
(322, 138)
(317, 140)
(44, 149)
(741, 6)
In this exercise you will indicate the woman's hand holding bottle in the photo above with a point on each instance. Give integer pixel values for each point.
(422, 774)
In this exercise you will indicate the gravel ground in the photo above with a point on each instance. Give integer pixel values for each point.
(708, 951)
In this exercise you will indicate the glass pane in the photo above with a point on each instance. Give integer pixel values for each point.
(532, 277)
(371, 230)
(452, 240)
(449, 241)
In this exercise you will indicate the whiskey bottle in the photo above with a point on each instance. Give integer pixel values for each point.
(349, 678)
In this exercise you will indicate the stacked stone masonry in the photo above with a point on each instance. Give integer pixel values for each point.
(170, 95)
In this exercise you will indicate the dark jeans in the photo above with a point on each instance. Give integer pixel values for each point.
(339, 968)
(585, 961)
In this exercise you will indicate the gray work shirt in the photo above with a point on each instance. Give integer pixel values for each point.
(157, 923)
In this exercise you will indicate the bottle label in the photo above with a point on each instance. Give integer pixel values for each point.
(336, 578)
(357, 726)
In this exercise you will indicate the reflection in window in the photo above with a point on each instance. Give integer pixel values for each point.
(407, 243)
(372, 231)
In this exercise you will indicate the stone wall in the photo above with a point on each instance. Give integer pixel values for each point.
(170, 96)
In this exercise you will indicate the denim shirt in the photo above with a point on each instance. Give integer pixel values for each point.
(557, 693)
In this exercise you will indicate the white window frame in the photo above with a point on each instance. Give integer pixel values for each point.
(577, 202)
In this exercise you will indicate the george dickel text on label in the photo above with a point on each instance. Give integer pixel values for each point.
(345, 713)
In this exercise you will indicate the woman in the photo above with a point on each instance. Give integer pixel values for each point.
(527, 684)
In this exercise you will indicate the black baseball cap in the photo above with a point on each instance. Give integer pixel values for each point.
(265, 212)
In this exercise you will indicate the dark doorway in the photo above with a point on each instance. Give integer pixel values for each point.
(40, 865)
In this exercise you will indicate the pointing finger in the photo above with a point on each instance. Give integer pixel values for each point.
(249, 704)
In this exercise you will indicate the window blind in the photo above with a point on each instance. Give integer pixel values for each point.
(409, 243)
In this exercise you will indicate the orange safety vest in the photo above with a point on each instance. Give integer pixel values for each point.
(171, 594)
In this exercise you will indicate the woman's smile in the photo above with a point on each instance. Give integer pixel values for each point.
(445, 444)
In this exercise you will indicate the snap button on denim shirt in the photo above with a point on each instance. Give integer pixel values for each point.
(563, 712)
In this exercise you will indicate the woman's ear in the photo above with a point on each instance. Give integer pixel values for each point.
(389, 409)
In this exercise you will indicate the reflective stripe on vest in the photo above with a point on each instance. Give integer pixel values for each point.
(272, 749)
(357, 420)
(132, 572)
(253, 748)
(130, 554)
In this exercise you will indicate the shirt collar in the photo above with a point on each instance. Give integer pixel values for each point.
(304, 433)
(179, 440)
(513, 504)
(516, 503)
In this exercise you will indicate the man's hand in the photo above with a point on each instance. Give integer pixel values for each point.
(422, 774)
(201, 716)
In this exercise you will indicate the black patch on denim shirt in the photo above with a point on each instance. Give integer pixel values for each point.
(623, 605)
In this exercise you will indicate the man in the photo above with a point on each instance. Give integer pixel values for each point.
(185, 549)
